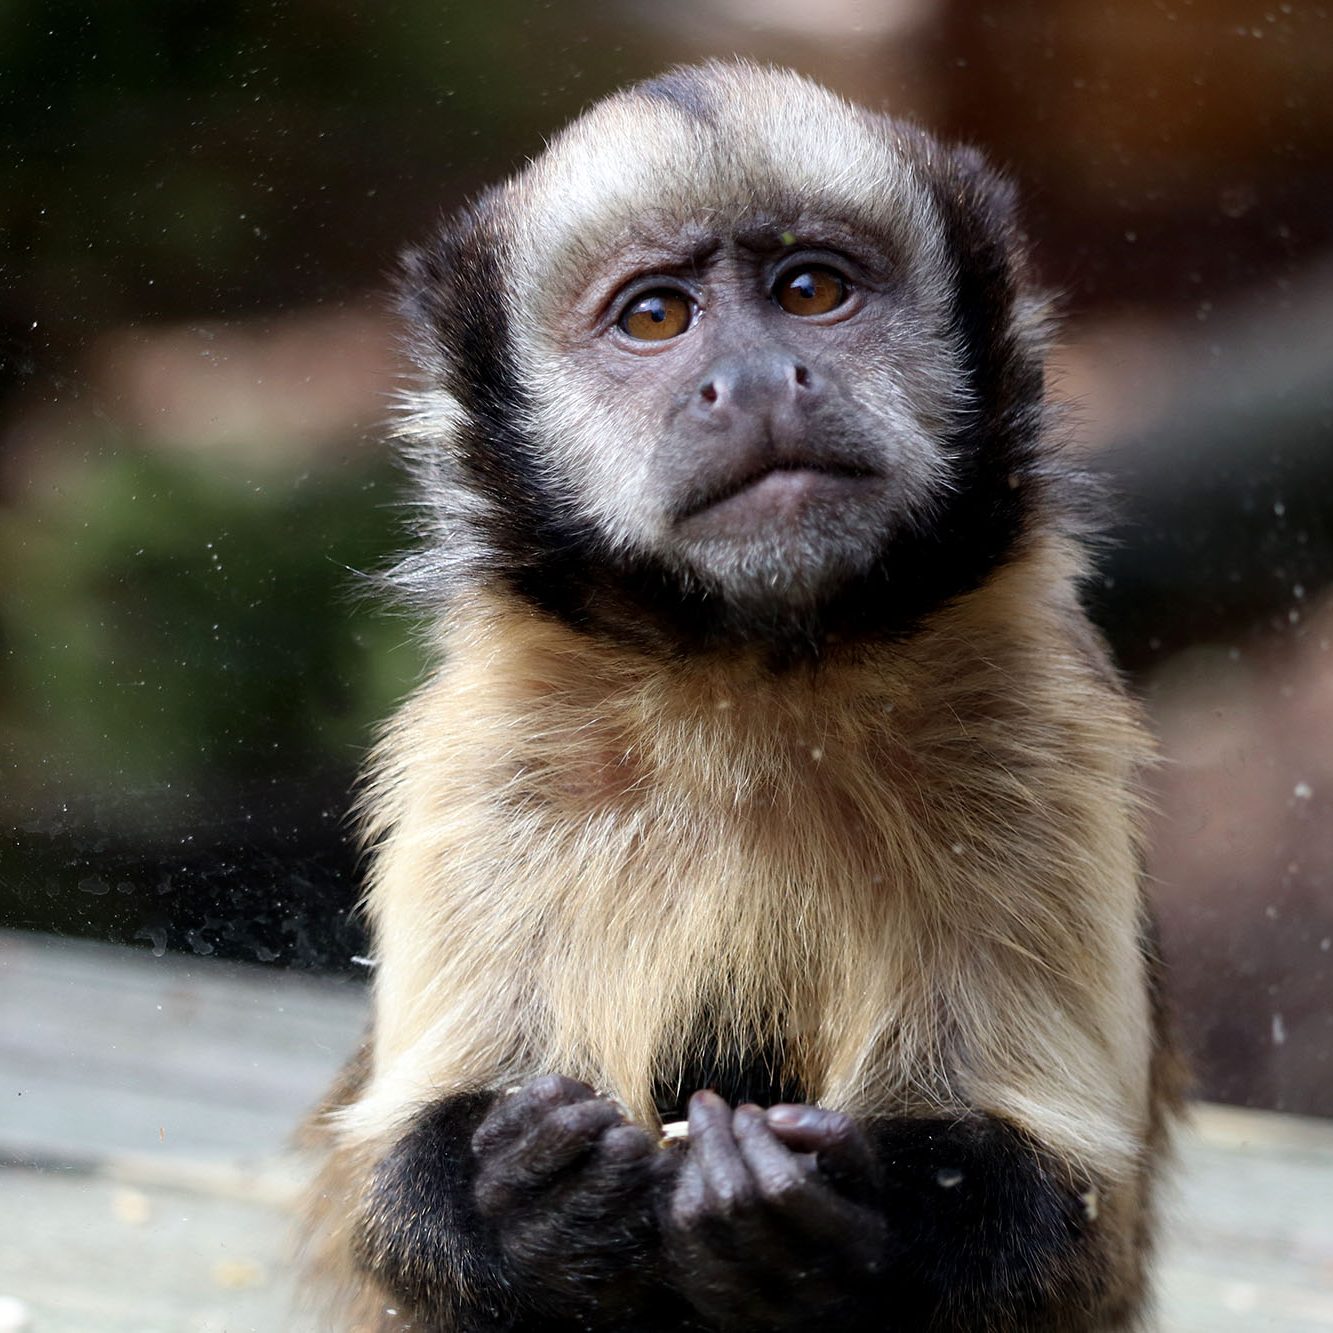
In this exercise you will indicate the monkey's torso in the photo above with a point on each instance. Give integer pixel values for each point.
(903, 885)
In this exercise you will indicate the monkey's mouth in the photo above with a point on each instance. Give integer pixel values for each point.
(777, 489)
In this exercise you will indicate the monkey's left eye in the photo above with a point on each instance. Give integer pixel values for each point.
(810, 291)
(657, 316)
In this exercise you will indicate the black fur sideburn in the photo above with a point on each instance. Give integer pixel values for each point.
(453, 297)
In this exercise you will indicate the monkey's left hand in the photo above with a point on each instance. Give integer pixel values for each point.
(772, 1220)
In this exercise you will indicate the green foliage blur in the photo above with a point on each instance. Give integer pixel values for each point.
(193, 667)
(174, 628)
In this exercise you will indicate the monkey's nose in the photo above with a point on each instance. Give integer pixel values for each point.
(756, 382)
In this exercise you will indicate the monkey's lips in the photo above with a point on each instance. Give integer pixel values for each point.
(783, 492)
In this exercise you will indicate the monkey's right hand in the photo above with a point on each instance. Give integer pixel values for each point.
(566, 1186)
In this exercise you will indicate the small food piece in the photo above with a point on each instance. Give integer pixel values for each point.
(675, 1131)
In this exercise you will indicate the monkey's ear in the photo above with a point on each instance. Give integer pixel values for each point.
(991, 193)
(450, 296)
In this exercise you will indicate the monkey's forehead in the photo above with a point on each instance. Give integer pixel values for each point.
(713, 150)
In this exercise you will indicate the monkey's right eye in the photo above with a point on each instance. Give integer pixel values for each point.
(658, 315)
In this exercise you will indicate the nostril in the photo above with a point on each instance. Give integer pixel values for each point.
(802, 377)
(709, 392)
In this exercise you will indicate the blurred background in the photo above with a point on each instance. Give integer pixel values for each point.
(198, 205)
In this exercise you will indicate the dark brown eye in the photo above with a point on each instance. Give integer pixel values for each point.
(657, 316)
(810, 291)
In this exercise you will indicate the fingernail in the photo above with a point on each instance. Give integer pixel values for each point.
(790, 1117)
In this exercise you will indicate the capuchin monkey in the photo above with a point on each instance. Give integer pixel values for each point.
(770, 777)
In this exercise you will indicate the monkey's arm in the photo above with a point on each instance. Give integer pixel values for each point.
(520, 1212)
(782, 1219)
(988, 1231)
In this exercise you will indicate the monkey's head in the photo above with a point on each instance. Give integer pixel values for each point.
(732, 363)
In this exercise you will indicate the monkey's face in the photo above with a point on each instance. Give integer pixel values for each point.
(733, 360)
(763, 407)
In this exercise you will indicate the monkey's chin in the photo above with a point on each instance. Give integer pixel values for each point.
(786, 542)
(777, 574)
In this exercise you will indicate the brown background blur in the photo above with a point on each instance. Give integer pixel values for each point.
(198, 203)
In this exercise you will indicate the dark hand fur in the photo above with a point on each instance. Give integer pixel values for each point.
(545, 1210)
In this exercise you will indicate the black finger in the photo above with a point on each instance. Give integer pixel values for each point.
(688, 1200)
(793, 1188)
(835, 1138)
(624, 1143)
(519, 1169)
(560, 1136)
(779, 1174)
(514, 1111)
(726, 1178)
